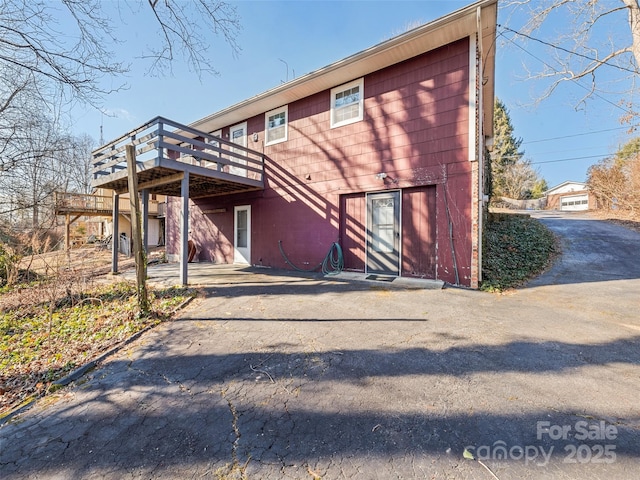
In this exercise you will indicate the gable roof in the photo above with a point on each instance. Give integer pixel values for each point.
(565, 184)
(480, 16)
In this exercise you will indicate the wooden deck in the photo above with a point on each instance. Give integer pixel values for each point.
(166, 151)
(97, 205)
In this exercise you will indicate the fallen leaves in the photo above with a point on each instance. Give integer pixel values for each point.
(50, 333)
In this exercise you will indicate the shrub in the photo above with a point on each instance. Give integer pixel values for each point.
(516, 248)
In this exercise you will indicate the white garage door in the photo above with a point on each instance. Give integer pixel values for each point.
(574, 202)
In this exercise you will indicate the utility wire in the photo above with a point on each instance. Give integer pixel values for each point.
(575, 80)
(572, 135)
(558, 47)
(569, 159)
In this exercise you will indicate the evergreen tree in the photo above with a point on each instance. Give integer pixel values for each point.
(539, 188)
(506, 148)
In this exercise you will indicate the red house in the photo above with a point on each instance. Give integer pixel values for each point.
(382, 153)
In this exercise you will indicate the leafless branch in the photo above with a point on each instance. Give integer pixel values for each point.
(184, 27)
(589, 44)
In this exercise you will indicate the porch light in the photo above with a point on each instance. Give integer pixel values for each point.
(381, 176)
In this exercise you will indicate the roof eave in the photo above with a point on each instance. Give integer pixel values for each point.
(440, 32)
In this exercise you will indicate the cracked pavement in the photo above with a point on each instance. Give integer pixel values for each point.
(275, 375)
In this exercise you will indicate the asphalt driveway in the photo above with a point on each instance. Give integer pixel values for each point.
(286, 376)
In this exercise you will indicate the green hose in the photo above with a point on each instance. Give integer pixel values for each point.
(332, 264)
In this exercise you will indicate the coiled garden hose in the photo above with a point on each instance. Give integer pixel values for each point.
(332, 264)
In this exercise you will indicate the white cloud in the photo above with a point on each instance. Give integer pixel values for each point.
(120, 113)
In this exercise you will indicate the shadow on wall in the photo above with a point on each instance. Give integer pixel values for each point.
(415, 130)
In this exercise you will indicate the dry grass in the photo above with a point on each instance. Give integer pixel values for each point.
(624, 219)
(71, 315)
(87, 259)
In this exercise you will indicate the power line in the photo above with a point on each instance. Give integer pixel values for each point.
(573, 135)
(568, 159)
(566, 50)
(575, 80)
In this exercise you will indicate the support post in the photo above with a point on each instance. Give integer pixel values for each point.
(144, 195)
(184, 229)
(136, 233)
(115, 237)
(67, 232)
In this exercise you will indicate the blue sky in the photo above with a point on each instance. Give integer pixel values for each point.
(280, 40)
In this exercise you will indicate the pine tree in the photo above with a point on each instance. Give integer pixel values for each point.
(506, 148)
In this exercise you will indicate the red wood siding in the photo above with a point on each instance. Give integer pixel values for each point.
(419, 232)
(415, 129)
(353, 216)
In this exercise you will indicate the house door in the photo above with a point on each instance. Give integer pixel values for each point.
(383, 233)
(242, 234)
(238, 134)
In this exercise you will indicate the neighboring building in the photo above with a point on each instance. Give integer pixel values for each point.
(569, 196)
(381, 152)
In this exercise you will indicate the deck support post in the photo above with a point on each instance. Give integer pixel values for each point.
(115, 237)
(144, 196)
(67, 232)
(184, 229)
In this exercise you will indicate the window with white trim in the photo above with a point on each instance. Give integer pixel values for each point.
(347, 103)
(275, 125)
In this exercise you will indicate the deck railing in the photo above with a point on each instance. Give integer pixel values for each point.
(161, 139)
(77, 203)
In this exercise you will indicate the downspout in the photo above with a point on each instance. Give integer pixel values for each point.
(480, 138)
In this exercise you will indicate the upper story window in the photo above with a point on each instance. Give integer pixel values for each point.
(347, 103)
(275, 126)
(215, 143)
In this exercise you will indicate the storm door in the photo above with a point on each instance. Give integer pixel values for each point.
(383, 233)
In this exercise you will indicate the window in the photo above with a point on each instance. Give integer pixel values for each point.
(347, 103)
(275, 126)
(215, 143)
(238, 136)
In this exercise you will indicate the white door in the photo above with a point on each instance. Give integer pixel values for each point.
(238, 135)
(154, 232)
(242, 234)
(383, 233)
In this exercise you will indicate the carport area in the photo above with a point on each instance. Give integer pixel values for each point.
(275, 375)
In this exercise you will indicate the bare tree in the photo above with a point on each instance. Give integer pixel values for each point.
(519, 180)
(68, 45)
(75, 159)
(615, 181)
(184, 28)
(38, 170)
(600, 35)
(53, 54)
